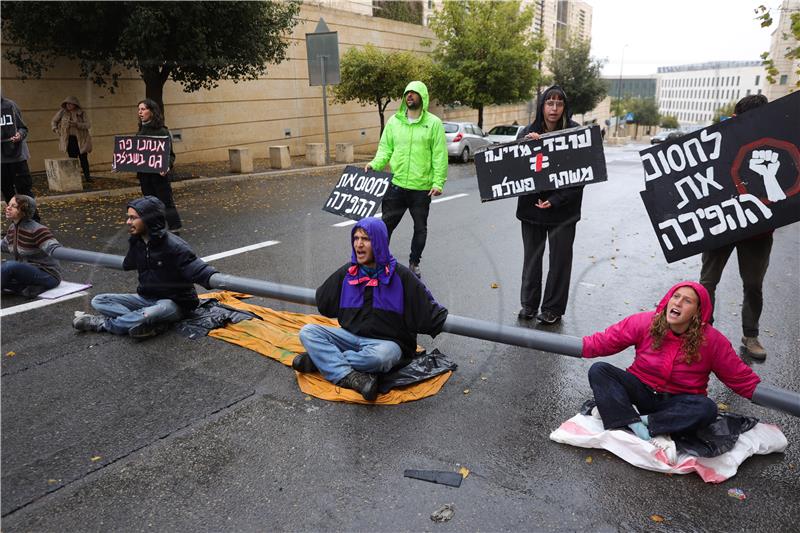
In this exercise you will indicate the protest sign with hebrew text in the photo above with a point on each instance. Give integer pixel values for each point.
(141, 153)
(358, 193)
(728, 182)
(565, 158)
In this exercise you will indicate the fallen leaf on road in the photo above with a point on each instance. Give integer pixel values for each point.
(589, 460)
(11, 354)
(96, 458)
(466, 391)
(494, 285)
(656, 518)
(722, 406)
(464, 472)
(444, 513)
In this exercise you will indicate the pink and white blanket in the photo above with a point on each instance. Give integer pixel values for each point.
(588, 432)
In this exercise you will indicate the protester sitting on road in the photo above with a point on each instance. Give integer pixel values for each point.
(664, 391)
(151, 122)
(753, 257)
(381, 306)
(33, 270)
(72, 126)
(548, 216)
(168, 270)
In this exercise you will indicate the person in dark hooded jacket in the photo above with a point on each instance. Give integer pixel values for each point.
(548, 217)
(168, 270)
(381, 306)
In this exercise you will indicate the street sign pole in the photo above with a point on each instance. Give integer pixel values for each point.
(325, 107)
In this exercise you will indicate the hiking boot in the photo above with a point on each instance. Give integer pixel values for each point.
(143, 331)
(548, 317)
(303, 363)
(526, 313)
(414, 267)
(366, 384)
(753, 348)
(86, 322)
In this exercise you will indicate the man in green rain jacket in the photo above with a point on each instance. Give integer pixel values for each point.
(413, 144)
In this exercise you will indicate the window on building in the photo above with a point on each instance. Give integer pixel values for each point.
(747, 93)
(758, 79)
(738, 80)
(784, 79)
(759, 91)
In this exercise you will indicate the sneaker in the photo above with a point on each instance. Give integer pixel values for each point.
(366, 384)
(32, 291)
(86, 322)
(667, 445)
(753, 348)
(303, 363)
(548, 317)
(143, 331)
(526, 313)
(414, 267)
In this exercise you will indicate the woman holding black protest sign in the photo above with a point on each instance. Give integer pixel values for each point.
(548, 216)
(151, 123)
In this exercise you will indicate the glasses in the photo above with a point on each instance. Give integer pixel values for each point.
(557, 104)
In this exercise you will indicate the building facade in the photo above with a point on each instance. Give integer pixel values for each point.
(782, 42)
(694, 93)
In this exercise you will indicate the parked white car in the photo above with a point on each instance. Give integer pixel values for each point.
(504, 133)
(464, 139)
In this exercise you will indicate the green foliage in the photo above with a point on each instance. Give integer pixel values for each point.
(645, 111)
(486, 54)
(194, 43)
(792, 51)
(669, 122)
(725, 110)
(404, 11)
(620, 107)
(579, 75)
(373, 77)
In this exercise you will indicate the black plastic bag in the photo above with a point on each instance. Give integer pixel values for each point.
(419, 369)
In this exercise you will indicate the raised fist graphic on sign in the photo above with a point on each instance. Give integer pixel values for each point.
(765, 163)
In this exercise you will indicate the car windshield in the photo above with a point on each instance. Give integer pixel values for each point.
(449, 127)
(503, 130)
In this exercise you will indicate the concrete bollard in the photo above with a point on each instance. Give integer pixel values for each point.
(315, 154)
(63, 175)
(240, 159)
(344, 152)
(279, 157)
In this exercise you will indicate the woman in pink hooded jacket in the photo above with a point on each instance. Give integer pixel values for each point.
(676, 350)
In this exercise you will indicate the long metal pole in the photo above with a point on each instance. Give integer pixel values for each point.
(619, 91)
(765, 395)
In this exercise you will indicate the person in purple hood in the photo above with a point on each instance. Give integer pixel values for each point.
(380, 305)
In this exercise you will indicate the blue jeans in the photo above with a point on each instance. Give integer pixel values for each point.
(17, 275)
(337, 352)
(125, 311)
(616, 391)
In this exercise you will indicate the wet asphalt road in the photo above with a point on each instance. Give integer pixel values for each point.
(104, 433)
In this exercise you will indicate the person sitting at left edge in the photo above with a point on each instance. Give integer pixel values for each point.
(33, 269)
(676, 350)
(168, 270)
(381, 306)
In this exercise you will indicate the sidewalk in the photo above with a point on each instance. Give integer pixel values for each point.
(107, 183)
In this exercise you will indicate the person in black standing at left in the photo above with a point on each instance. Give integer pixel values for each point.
(16, 176)
(548, 217)
(151, 122)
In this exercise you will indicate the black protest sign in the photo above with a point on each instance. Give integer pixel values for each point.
(727, 182)
(358, 193)
(566, 158)
(141, 153)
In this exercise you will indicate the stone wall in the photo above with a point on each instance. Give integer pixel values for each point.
(278, 108)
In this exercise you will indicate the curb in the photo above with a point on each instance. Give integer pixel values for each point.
(42, 200)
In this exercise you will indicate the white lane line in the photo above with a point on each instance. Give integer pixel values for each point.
(239, 250)
(378, 215)
(446, 198)
(36, 304)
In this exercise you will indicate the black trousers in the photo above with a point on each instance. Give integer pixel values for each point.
(75, 152)
(556, 291)
(159, 186)
(753, 256)
(395, 202)
(16, 179)
(616, 391)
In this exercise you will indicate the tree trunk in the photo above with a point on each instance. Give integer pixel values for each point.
(480, 116)
(154, 79)
(381, 109)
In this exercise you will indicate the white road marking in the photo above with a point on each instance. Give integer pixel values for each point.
(241, 250)
(378, 215)
(37, 304)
